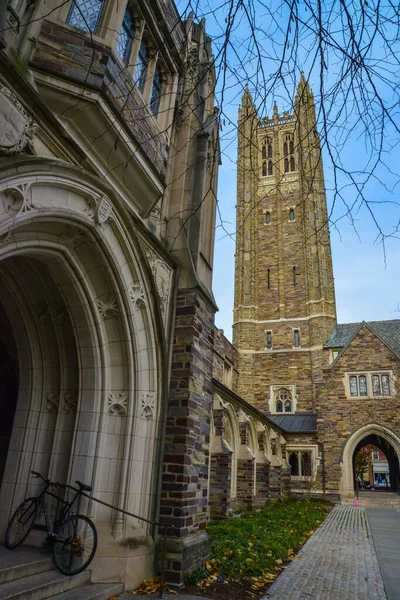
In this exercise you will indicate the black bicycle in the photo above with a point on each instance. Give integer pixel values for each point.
(73, 538)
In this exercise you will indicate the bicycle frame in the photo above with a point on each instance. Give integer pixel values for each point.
(65, 510)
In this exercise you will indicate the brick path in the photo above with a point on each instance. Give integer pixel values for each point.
(337, 563)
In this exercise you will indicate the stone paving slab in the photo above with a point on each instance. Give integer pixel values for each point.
(338, 562)
(385, 528)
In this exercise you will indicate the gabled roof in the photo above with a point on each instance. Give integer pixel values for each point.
(387, 331)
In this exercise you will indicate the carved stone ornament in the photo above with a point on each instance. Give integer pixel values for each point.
(51, 402)
(20, 199)
(107, 306)
(162, 278)
(15, 123)
(6, 238)
(137, 296)
(104, 210)
(147, 408)
(69, 403)
(72, 237)
(117, 403)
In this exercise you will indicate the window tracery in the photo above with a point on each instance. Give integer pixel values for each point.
(288, 153)
(266, 155)
(283, 401)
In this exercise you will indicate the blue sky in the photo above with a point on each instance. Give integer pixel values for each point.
(366, 274)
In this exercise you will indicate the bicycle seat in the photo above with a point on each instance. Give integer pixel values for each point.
(82, 486)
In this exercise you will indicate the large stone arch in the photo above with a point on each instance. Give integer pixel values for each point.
(79, 290)
(347, 476)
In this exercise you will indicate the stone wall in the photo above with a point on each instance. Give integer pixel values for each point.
(339, 416)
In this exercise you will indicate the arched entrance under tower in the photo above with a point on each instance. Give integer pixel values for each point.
(378, 436)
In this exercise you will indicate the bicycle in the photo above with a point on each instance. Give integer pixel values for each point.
(73, 538)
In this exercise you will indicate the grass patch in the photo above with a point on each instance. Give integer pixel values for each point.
(256, 546)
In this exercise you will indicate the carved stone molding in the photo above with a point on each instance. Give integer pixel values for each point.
(69, 402)
(52, 402)
(15, 123)
(71, 237)
(162, 278)
(6, 238)
(20, 199)
(107, 306)
(147, 406)
(104, 210)
(43, 313)
(117, 403)
(58, 311)
(137, 295)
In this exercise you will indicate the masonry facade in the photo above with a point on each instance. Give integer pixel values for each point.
(330, 387)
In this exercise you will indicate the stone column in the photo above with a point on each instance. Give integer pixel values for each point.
(184, 496)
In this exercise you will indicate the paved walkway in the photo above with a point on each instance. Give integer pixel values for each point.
(385, 529)
(338, 562)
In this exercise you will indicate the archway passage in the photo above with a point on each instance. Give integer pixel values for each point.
(8, 387)
(388, 479)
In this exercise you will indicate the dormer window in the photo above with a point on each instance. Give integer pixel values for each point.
(85, 14)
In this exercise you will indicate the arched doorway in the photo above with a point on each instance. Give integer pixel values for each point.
(387, 477)
(371, 435)
(81, 343)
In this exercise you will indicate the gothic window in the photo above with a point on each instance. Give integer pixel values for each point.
(126, 35)
(306, 464)
(300, 463)
(294, 464)
(155, 95)
(269, 279)
(268, 340)
(269, 149)
(264, 168)
(267, 218)
(291, 214)
(283, 401)
(264, 151)
(270, 167)
(85, 14)
(288, 154)
(142, 65)
(296, 338)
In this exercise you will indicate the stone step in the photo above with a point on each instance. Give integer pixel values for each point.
(93, 591)
(23, 562)
(42, 585)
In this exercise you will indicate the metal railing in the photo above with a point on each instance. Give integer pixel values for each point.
(150, 521)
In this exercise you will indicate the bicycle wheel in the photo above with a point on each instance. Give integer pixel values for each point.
(75, 545)
(21, 523)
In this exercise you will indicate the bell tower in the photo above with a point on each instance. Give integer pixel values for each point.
(284, 309)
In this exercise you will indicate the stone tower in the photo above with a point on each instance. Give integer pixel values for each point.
(284, 308)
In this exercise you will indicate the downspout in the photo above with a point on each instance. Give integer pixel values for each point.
(321, 446)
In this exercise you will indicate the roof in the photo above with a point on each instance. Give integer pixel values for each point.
(387, 331)
(295, 423)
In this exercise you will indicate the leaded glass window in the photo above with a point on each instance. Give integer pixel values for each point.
(270, 167)
(362, 382)
(267, 218)
(288, 153)
(155, 95)
(269, 149)
(141, 67)
(376, 385)
(85, 14)
(353, 386)
(264, 151)
(125, 38)
(385, 385)
(306, 464)
(294, 464)
(288, 406)
(269, 340)
(279, 407)
(264, 168)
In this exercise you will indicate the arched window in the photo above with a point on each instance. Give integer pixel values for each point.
(283, 401)
(267, 218)
(270, 167)
(288, 153)
(264, 151)
(264, 168)
(269, 149)
(291, 214)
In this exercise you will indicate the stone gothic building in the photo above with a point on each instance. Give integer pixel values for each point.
(331, 388)
(111, 369)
